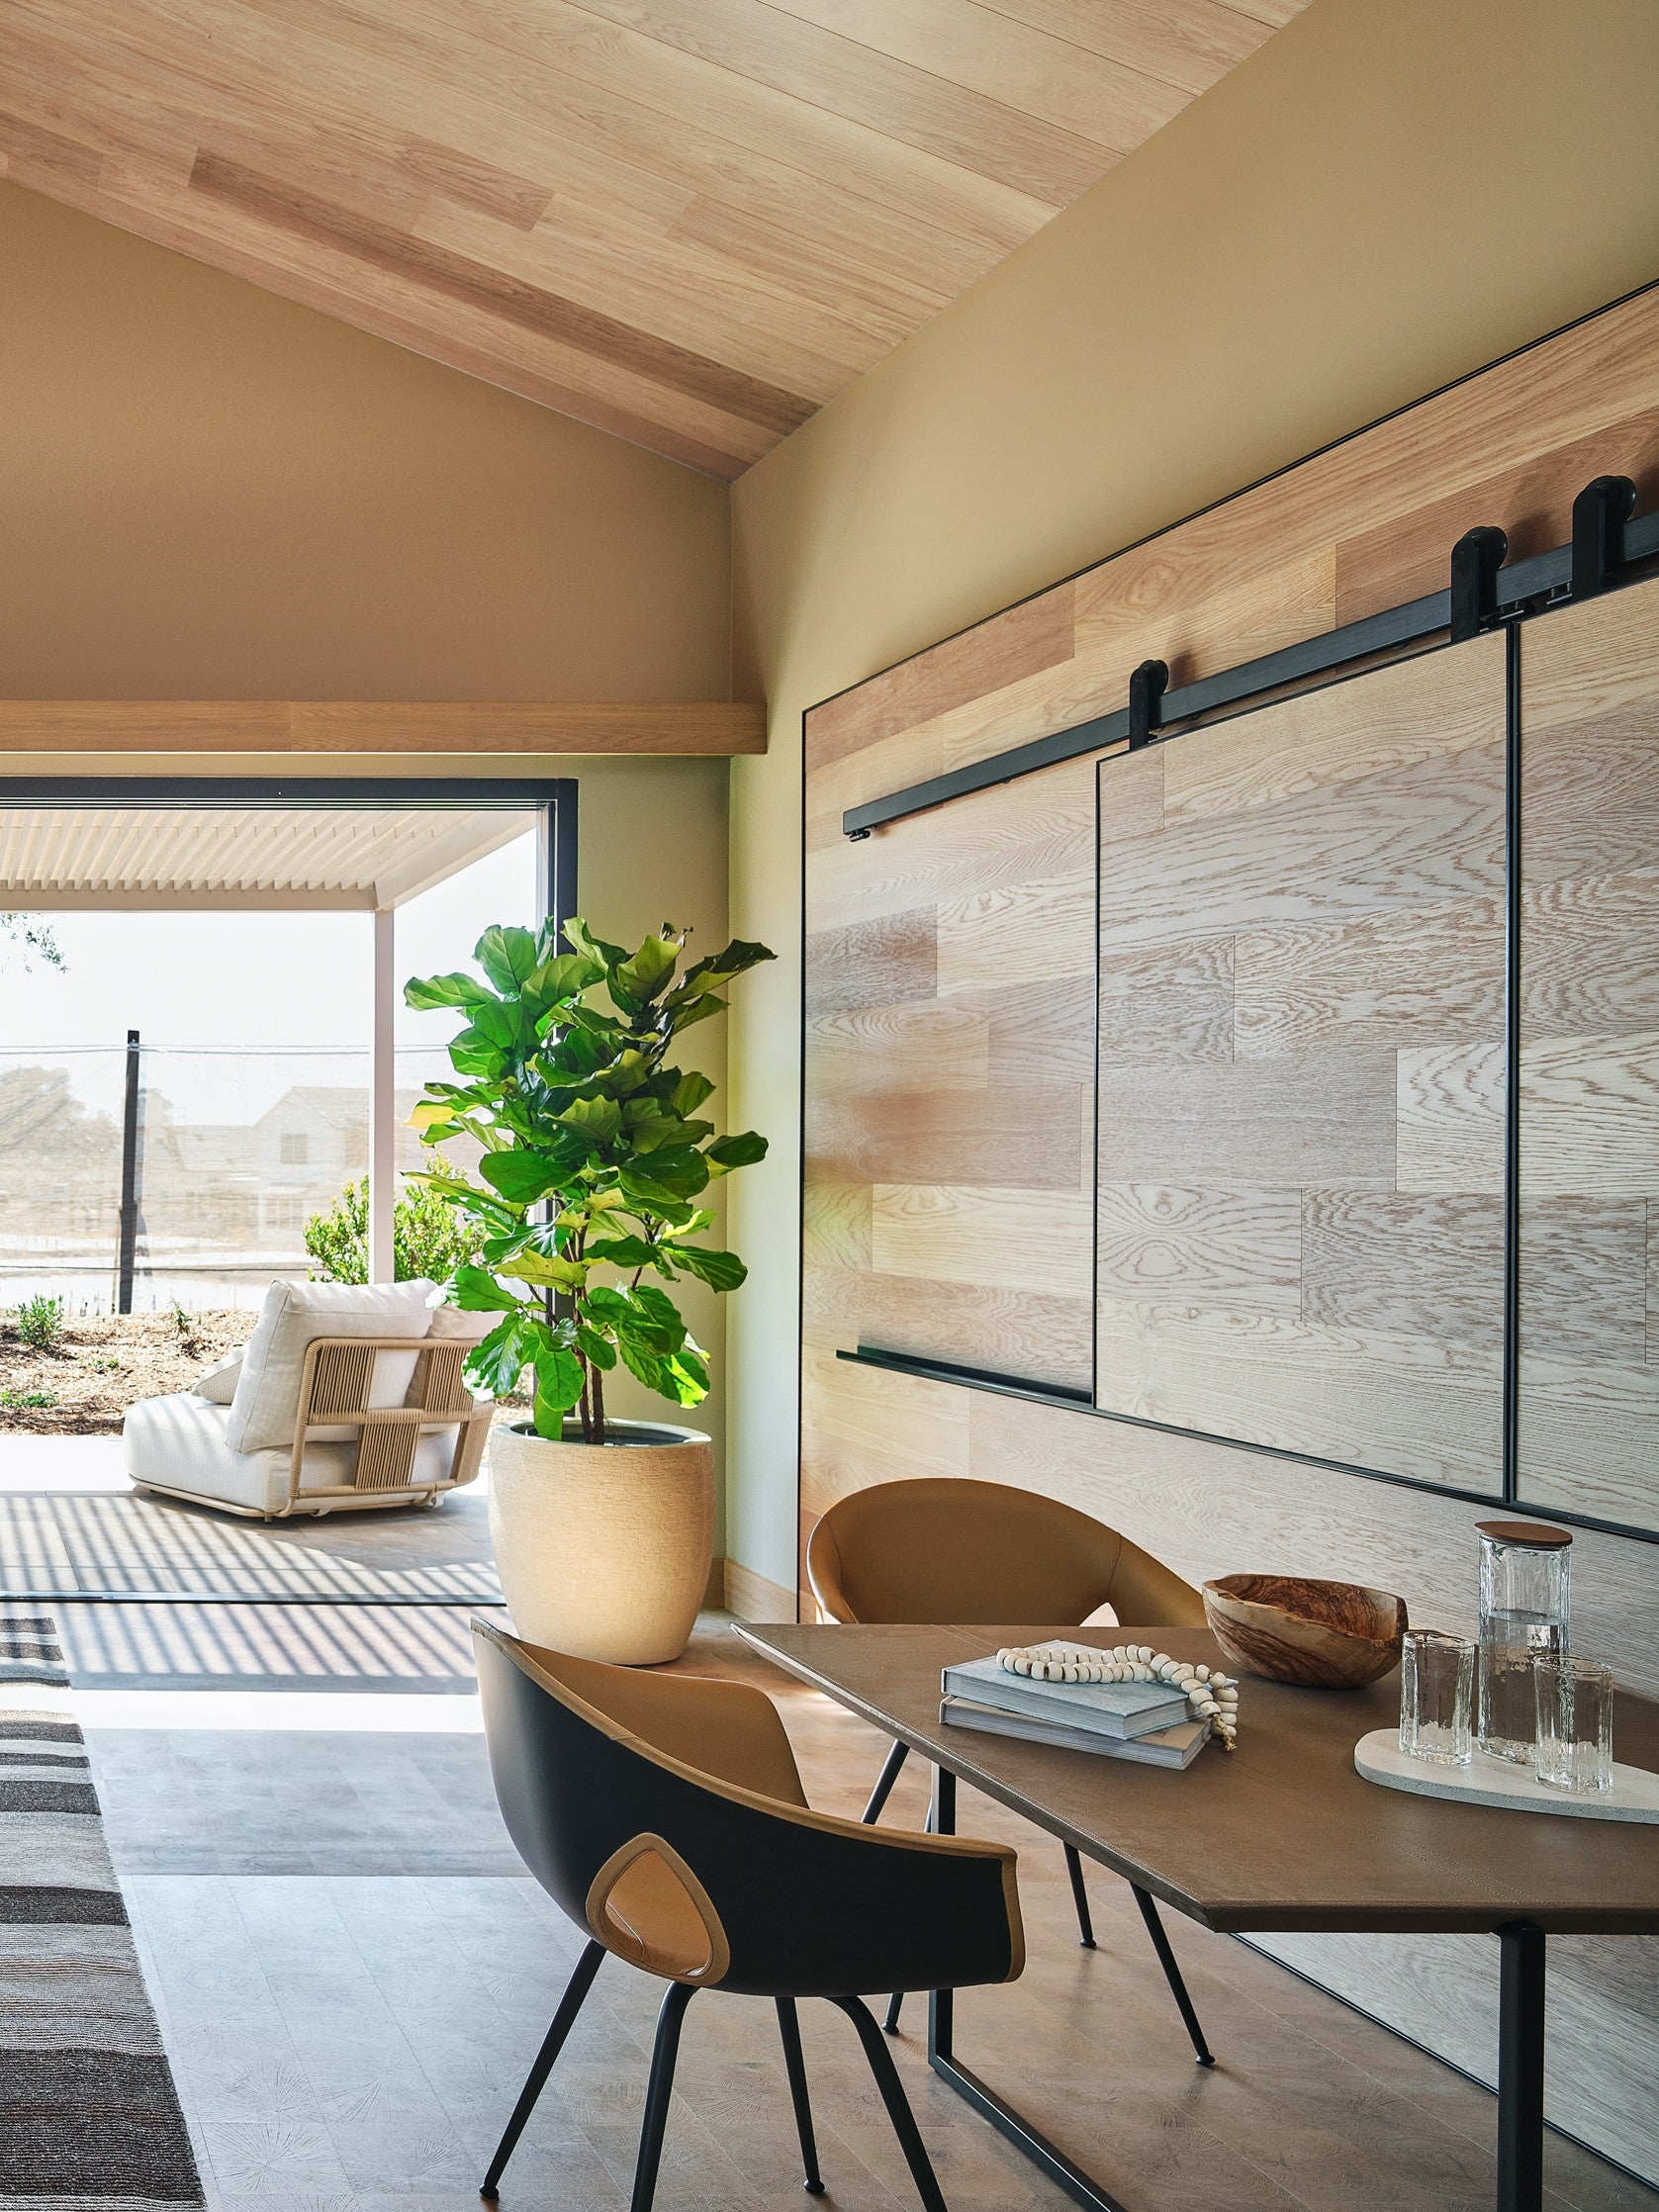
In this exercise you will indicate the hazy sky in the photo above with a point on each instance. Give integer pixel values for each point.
(265, 985)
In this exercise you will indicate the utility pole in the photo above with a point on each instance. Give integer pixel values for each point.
(129, 1180)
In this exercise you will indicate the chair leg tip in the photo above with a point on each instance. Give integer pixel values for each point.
(813, 2188)
(1087, 1943)
(1206, 2058)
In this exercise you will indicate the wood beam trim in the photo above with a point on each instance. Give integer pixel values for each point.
(515, 728)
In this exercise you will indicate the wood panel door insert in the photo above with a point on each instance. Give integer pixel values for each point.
(1300, 1239)
(1588, 1413)
(949, 1081)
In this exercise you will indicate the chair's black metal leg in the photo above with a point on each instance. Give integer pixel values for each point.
(1172, 1975)
(884, 1781)
(898, 2104)
(658, 2092)
(789, 2027)
(570, 2004)
(895, 2004)
(1080, 1897)
(1521, 2066)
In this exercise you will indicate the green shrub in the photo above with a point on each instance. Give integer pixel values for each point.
(17, 1399)
(40, 1322)
(428, 1238)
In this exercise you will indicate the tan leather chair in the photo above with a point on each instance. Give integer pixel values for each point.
(664, 1813)
(955, 1551)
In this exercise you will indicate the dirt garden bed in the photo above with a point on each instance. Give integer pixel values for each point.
(101, 1363)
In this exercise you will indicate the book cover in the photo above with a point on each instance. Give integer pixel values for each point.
(1111, 1708)
(1164, 1747)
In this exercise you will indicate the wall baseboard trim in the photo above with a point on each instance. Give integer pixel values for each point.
(753, 1597)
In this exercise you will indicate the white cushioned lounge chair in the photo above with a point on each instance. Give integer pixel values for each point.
(344, 1398)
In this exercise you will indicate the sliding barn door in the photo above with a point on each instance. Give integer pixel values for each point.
(950, 1074)
(1588, 1430)
(1301, 1108)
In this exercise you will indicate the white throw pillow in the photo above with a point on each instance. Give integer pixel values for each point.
(219, 1384)
(266, 1404)
(451, 1323)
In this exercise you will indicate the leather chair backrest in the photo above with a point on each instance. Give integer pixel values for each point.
(955, 1550)
(704, 1877)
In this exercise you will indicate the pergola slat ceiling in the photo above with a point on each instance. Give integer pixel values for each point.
(688, 221)
(116, 859)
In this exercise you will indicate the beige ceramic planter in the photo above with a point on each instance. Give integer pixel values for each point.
(603, 1549)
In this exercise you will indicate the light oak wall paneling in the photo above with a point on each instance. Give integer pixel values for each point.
(950, 1088)
(752, 1596)
(511, 728)
(1590, 1057)
(1263, 1275)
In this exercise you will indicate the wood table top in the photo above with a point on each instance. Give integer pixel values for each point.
(1281, 1833)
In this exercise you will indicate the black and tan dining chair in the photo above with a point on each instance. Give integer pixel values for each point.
(665, 1814)
(950, 1550)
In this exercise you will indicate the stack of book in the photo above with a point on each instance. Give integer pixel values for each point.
(1143, 1721)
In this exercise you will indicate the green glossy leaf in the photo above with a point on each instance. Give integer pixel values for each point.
(740, 1150)
(497, 1363)
(545, 1269)
(558, 1388)
(562, 977)
(661, 1315)
(620, 1251)
(508, 957)
(597, 1119)
(596, 1350)
(644, 1365)
(719, 968)
(578, 934)
(643, 976)
(427, 992)
(678, 1170)
(522, 1176)
(689, 1092)
(687, 1377)
(478, 1292)
(684, 1012)
(720, 1270)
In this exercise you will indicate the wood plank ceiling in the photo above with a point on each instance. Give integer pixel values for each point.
(691, 222)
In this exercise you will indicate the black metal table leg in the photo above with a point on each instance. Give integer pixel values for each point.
(1172, 1975)
(1521, 2067)
(1081, 2188)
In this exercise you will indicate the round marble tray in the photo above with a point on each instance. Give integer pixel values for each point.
(1635, 1795)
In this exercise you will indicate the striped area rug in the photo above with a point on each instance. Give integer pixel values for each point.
(89, 2117)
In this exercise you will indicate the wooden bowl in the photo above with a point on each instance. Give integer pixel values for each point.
(1325, 1636)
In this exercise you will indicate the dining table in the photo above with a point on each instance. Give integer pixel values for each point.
(1281, 1833)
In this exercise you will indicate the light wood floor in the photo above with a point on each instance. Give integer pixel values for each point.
(352, 1978)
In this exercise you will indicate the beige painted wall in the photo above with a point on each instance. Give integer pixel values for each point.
(210, 492)
(1389, 194)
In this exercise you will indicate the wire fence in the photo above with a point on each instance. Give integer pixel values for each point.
(235, 1149)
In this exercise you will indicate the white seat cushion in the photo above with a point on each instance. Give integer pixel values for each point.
(266, 1403)
(179, 1444)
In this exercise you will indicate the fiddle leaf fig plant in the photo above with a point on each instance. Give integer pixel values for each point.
(593, 1159)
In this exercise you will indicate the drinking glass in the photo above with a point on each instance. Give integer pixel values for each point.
(1437, 1692)
(1575, 1724)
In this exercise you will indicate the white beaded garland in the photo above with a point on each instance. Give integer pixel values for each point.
(1210, 1694)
